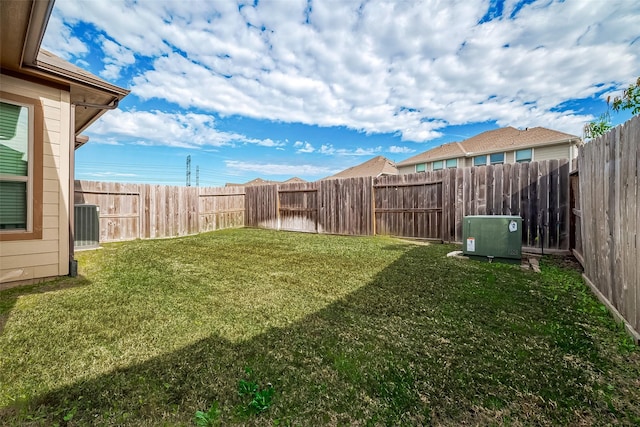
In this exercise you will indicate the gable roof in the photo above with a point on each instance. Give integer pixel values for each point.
(373, 167)
(445, 151)
(260, 181)
(22, 27)
(512, 138)
(294, 180)
(491, 141)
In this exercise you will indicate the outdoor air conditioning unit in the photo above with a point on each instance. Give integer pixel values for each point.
(87, 226)
(492, 237)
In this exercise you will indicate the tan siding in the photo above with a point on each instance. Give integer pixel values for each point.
(31, 260)
(50, 172)
(22, 247)
(50, 233)
(51, 136)
(64, 193)
(51, 185)
(30, 90)
(510, 157)
(50, 221)
(407, 169)
(551, 152)
(50, 197)
(50, 210)
(46, 257)
(52, 151)
(48, 271)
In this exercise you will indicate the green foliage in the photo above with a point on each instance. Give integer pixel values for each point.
(260, 398)
(597, 127)
(209, 418)
(630, 99)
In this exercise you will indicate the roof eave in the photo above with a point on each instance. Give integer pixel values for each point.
(70, 77)
(39, 18)
(522, 147)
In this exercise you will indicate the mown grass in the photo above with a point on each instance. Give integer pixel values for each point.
(346, 331)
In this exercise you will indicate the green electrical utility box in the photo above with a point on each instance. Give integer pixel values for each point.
(492, 237)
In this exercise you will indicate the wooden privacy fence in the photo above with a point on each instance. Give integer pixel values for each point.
(608, 214)
(143, 211)
(341, 206)
(428, 205)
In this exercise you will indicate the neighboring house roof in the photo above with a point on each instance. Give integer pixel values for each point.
(260, 181)
(512, 138)
(23, 24)
(508, 138)
(374, 167)
(293, 180)
(445, 151)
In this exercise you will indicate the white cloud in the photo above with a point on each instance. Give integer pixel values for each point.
(60, 41)
(116, 57)
(304, 147)
(410, 68)
(190, 130)
(400, 150)
(329, 149)
(278, 169)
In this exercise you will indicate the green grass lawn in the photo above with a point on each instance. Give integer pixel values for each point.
(276, 328)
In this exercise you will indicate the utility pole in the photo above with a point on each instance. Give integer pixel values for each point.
(197, 176)
(189, 170)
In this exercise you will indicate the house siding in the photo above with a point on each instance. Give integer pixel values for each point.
(407, 169)
(551, 152)
(24, 260)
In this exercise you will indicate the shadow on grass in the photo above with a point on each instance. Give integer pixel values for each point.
(9, 297)
(429, 340)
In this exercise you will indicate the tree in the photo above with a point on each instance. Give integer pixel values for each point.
(630, 99)
(597, 127)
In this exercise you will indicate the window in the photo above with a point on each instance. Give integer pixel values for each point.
(480, 160)
(437, 165)
(20, 167)
(524, 155)
(420, 167)
(452, 163)
(496, 158)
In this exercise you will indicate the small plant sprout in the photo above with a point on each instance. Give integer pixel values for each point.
(209, 418)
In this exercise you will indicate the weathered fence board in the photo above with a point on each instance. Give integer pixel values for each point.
(409, 205)
(425, 205)
(346, 206)
(221, 208)
(608, 214)
(298, 206)
(143, 211)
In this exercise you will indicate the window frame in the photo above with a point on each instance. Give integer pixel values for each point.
(501, 162)
(446, 164)
(440, 162)
(484, 162)
(34, 177)
(530, 159)
(424, 167)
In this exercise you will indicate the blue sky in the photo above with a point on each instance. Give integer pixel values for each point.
(283, 88)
